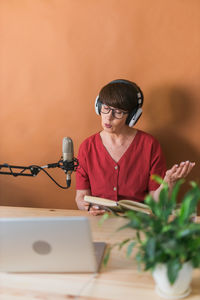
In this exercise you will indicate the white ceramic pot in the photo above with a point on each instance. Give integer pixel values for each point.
(180, 288)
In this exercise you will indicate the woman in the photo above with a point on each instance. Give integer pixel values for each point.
(117, 163)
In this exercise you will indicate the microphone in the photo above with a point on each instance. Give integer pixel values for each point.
(68, 158)
(68, 163)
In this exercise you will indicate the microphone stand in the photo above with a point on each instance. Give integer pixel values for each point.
(33, 170)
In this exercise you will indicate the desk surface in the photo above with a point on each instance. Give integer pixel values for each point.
(119, 280)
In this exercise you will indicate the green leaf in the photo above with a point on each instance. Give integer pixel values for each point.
(189, 204)
(164, 204)
(149, 200)
(130, 248)
(150, 248)
(167, 228)
(152, 204)
(123, 243)
(138, 237)
(193, 184)
(195, 243)
(175, 191)
(173, 268)
(107, 256)
(137, 221)
(188, 230)
(103, 218)
(159, 180)
(139, 259)
(134, 224)
(107, 253)
(196, 261)
(170, 247)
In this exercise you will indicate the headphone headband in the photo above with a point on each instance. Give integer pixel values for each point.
(139, 92)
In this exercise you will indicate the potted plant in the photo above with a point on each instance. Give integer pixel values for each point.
(167, 241)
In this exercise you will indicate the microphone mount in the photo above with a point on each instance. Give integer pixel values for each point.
(33, 170)
(64, 165)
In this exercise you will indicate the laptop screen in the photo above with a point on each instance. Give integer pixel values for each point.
(48, 244)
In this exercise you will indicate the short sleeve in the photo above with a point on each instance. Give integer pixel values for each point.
(82, 179)
(157, 166)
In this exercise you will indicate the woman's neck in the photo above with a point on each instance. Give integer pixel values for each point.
(117, 144)
(119, 138)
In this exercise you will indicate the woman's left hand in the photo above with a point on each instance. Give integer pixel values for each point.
(178, 171)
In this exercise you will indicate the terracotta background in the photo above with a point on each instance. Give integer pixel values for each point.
(55, 56)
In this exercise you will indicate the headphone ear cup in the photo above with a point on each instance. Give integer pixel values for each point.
(97, 106)
(134, 117)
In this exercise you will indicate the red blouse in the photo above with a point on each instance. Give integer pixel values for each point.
(129, 178)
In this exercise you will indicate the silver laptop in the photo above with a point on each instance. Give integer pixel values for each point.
(48, 244)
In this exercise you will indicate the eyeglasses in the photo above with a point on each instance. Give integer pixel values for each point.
(116, 113)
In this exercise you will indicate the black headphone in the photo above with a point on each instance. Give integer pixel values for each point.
(135, 114)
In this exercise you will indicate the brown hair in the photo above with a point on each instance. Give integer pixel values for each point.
(120, 94)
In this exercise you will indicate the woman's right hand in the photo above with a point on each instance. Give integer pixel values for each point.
(93, 210)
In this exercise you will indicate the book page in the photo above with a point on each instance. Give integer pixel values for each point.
(100, 201)
(133, 203)
(126, 206)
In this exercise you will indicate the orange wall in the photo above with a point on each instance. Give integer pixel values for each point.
(56, 55)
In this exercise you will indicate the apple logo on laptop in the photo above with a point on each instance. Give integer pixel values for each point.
(42, 247)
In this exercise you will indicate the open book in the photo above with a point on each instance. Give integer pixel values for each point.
(119, 206)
